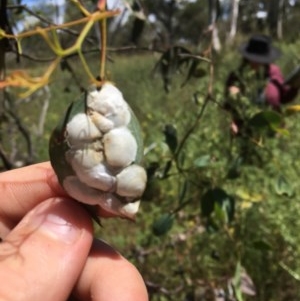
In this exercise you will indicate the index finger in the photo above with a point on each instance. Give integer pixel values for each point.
(22, 189)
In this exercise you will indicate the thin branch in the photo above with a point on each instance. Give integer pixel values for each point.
(93, 18)
(192, 128)
(193, 56)
(103, 30)
(50, 59)
(23, 130)
(70, 31)
(44, 110)
(6, 162)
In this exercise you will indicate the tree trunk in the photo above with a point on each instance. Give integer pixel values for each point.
(234, 19)
(214, 7)
(280, 19)
(275, 14)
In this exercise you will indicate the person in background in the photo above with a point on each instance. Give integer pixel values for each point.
(258, 80)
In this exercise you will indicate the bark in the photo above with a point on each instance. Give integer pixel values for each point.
(3, 48)
(280, 19)
(214, 7)
(275, 16)
(234, 19)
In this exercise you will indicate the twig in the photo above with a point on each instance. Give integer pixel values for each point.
(45, 20)
(192, 128)
(193, 56)
(103, 31)
(43, 114)
(290, 271)
(23, 130)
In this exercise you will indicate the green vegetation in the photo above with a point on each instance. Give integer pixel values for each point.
(210, 219)
(220, 215)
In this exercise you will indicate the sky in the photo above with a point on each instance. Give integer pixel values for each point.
(59, 17)
(110, 3)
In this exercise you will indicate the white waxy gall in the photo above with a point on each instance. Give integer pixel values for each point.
(90, 170)
(99, 177)
(130, 209)
(131, 181)
(101, 122)
(80, 129)
(84, 158)
(96, 150)
(109, 202)
(110, 103)
(120, 147)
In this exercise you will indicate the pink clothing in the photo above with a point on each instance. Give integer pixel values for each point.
(272, 91)
(276, 93)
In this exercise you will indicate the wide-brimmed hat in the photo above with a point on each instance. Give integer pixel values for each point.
(259, 49)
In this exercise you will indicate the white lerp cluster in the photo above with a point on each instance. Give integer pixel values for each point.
(102, 153)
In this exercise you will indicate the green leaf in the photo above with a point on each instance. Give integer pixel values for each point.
(199, 72)
(202, 161)
(262, 245)
(236, 282)
(163, 224)
(181, 157)
(191, 71)
(171, 137)
(167, 168)
(214, 200)
(220, 215)
(58, 145)
(295, 275)
(182, 191)
(283, 187)
(234, 170)
(211, 226)
(265, 120)
(171, 62)
(194, 71)
(137, 29)
(198, 98)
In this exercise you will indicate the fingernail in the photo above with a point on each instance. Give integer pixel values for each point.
(53, 219)
(60, 229)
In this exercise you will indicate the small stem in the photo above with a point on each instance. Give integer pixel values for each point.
(85, 66)
(103, 48)
(182, 205)
(191, 130)
(82, 8)
(94, 17)
(103, 32)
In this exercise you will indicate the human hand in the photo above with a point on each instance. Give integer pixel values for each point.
(233, 90)
(48, 251)
(234, 128)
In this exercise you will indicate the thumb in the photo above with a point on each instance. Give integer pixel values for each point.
(43, 256)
